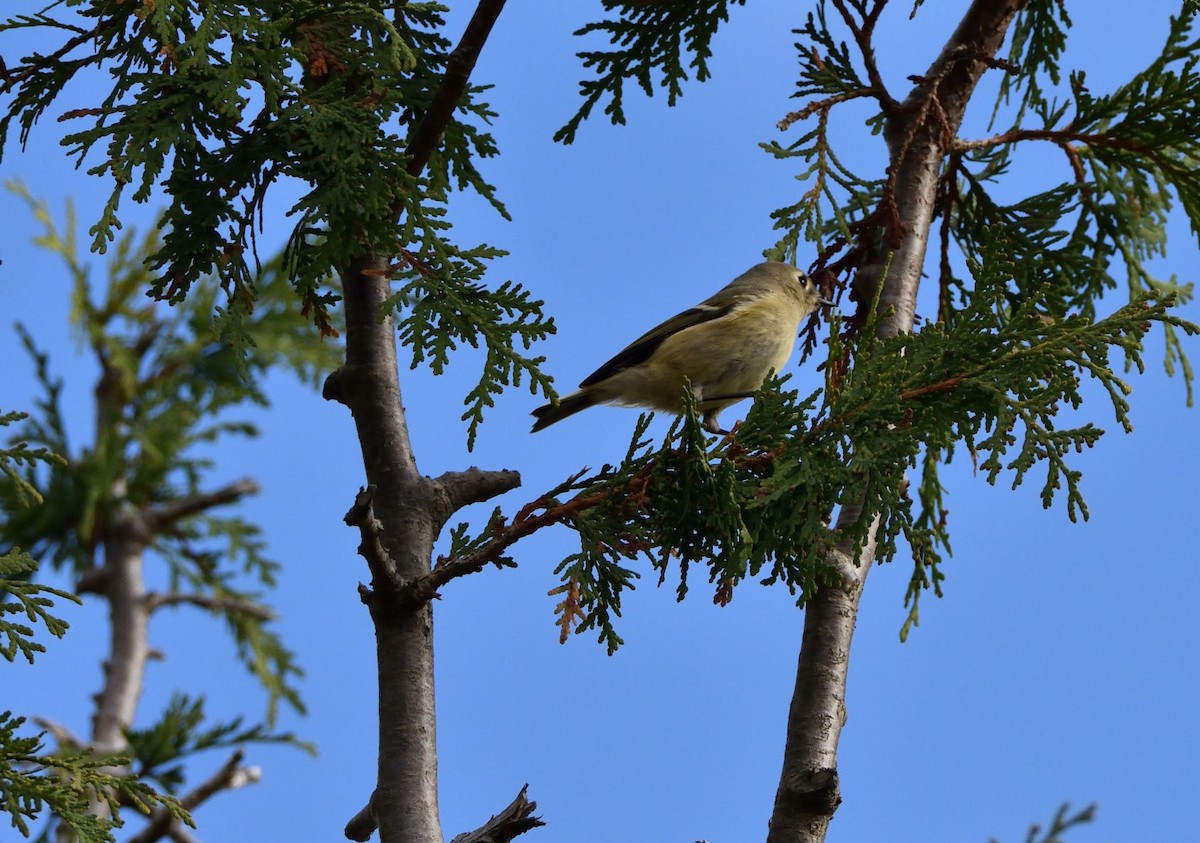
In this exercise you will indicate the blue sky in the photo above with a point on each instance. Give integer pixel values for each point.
(1060, 666)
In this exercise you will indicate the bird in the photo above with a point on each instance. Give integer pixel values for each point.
(725, 347)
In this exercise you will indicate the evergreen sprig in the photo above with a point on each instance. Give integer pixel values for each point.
(837, 197)
(211, 556)
(29, 599)
(17, 458)
(32, 781)
(443, 303)
(1130, 154)
(827, 68)
(647, 39)
(1039, 37)
(33, 600)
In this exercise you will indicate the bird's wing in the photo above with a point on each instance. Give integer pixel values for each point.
(640, 349)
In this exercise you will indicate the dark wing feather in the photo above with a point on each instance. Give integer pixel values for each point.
(640, 349)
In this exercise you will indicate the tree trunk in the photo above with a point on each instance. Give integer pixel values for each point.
(402, 512)
(918, 132)
(405, 802)
(129, 645)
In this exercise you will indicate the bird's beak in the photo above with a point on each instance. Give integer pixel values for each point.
(825, 302)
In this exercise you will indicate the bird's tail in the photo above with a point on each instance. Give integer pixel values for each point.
(548, 414)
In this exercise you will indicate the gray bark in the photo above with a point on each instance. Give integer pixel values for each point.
(401, 513)
(405, 803)
(919, 132)
(129, 643)
(121, 581)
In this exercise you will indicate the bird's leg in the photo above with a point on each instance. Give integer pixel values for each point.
(710, 423)
(709, 419)
(710, 416)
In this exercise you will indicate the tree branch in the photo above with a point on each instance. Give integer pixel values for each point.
(398, 542)
(362, 825)
(230, 776)
(524, 523)
(823, 105)
(362, 516)
(1064, 139)
(475, 486)
(93, 580)
(67, 740)
(428, 134)
(512, 822)
(399, 519)
(124, 543)
(9, 79)
(179, 834)
(164, 516)
(214, 603)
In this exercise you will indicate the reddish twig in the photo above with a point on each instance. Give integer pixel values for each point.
(863, 35)
(823, 106)
(524, 523)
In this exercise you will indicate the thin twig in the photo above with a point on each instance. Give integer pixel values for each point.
(215, 603)
(166, 515)
(230, 776)
(863, 35)
(13, 78)
(823, 105)
(1058, 136)
(524, 523)
(67, 740)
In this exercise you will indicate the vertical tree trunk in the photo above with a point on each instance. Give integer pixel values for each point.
(129, 644)
(918, 132)
(403, 511)
(405, 803)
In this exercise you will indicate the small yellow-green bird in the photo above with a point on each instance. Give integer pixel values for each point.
(725, 347)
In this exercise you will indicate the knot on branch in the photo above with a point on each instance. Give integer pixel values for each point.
(513, 821)
(332, 389)
(814, 791)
